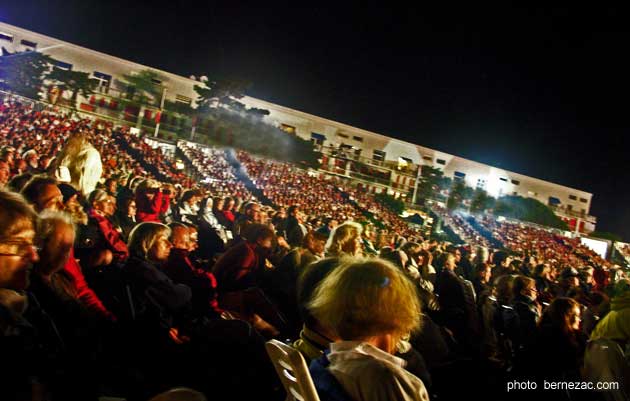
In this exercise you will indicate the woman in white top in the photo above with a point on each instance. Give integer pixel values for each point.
(371, 307)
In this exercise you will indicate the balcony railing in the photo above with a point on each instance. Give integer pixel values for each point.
(348, 154)
(573, 213)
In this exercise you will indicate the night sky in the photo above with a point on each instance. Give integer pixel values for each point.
(540, 91)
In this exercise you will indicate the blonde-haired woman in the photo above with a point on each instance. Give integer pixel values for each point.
(345, 240)
(153, 292)
(83, 162)
(370, 306)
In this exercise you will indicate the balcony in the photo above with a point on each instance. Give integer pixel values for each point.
(410, 170)
(563, 211)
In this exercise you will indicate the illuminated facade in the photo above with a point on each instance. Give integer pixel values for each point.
(375, 161)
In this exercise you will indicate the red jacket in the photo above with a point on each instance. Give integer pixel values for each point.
(113, 239)
(151, 210)
(235, 269)
(85, 293)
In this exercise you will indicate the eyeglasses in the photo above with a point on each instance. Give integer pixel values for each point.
(22, 248)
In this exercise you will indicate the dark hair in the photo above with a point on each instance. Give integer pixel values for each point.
(35, 187)
(19, 181)
(555, 318)
(520, 283)
(255, 232)
(308, 281)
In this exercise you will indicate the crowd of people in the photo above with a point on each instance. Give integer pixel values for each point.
(121, 275)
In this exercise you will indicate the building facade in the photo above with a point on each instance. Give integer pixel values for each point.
(374, 161)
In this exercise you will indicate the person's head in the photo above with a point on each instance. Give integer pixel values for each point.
(31, 158)
(587, 275)
(129, 207)
(193, 233)
(102, 202)
(5, 173)
(190, 197)
(228, 204)
(345, 239)
(308, 281)
(111, 185)
(427, 258)
(413, 251)
(218, 203)
(563, 314)
(482, 255)
(148, 188)
(83, 162)
(18, 222)
(260, 235)
(42, 192)
(483, 272)
(293, 211)
(542, 270)
(19, 181)
(315, 242)
(395, 256)
(525, 286)
(367, 300)
(56, 232)
(569, 278)
(448, 261)
(149, 241)
(180, 236)
(252, 211)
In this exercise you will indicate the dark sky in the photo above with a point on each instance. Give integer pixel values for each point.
(540, 91)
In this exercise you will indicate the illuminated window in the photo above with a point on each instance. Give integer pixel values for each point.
(288, 129)
(427, 158)
(6, 36)
(378, 155)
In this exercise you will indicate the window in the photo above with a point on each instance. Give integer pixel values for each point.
(357, 138)
(516, 182)
(63, 65)
(583, 200)
(378, 155)
(183, 99)
(288, 129)
(427, 158)
(6, 36)
(339, 134)
(459, 174)
(317, 139)
(503, 179)
(515, 193)
(440, 161)
(572, 197)
(104, 80)
(553, 201)
(28, 43)
(156, 81)
(481, 183)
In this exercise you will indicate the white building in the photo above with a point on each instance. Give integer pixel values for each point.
(373, 160)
